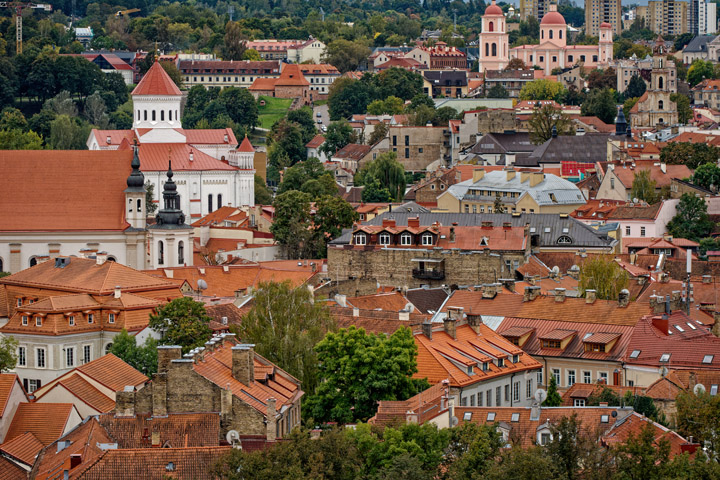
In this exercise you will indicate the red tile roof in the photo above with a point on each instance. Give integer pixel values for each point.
(177, 430)
(585, 390)
(263, 84)
(112, 372)
(86, 392)
(633, 425)
(316, 141)
(392, 302)
(246, 146)
(47, 421)
(426, 405)
(374, 321)
(10, 470)
(627, 175)
(154, 158)
(353, 151)
(8, 381)
(291, 76)
(24, 447)
(211, 136)
(156, 82)
(318, 68)
(63, 205)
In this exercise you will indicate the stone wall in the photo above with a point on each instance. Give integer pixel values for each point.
(496, 121)
(425, 145)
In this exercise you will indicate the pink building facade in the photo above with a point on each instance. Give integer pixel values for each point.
(494, 54)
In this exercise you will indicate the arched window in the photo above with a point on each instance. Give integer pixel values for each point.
(384, 238)
(181, 253)
(427, 239)
(169, 115)
(660, 83)
(542, 33)
(210, 198)
(112, 259)
(220, 204)
(153, 115)
(660, 104)
(560, 34)
(139, 205)
(108, 347)
(491, 27)
(161, 252)
(145, 115)
(564, 240)
(550, 33)
(487, 49)
(494, 49)
(33, 261)
(405, 239)
(162, 115)
(129, 204)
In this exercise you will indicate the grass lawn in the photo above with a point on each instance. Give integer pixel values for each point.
(273, 110)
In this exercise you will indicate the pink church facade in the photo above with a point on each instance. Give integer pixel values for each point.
(493, 40)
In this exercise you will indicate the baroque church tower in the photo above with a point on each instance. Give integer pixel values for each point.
(493, 40)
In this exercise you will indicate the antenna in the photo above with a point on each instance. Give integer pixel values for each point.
(699, 389)
(453, 421)
(540, 395)
(233, 438)
(202, 285)
(231, 12)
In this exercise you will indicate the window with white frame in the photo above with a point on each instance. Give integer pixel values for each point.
(91, 317)
(38, 321)
(111, 318)
(405, 239)
(24, 319)
(540, 377)
(427, 239)
(579, 402)
(627, 230)
(603, 376)
(556, 374)
(70, 357)
(87, 351)
(33, 384)
(360, 239)
(22, 357)
(587, 376)
(528, 389)
(516, 392)
(570, 378)
(39, 358)
(642, 231)
(384, 238)
(71, 320)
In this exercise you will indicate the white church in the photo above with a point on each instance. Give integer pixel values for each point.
(210, 171)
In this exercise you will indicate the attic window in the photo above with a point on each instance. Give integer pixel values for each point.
(665, 357)
(708, 358)
(532, 229)
(491, 417)
(566, 230)
(564, 239)
(604, 418)
(170, 467)
(485, 366)
(691, 326)
(516, 358)
(467, 416)
(515, 417)
(547, 229)
(470, 369)
(635, 354)
(483, 242)
(713, 390)
(679, 328)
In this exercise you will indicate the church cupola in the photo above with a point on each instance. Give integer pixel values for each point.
(135, 194)
(620, 123)
(156, 100)
(170, 215)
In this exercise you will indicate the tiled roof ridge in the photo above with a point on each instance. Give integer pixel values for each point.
(65, 383)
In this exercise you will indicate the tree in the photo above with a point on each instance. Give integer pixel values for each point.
(682, 102)
(472, 448)
(18, 140)
(8, 353)
(553, 397)
(374, 192)
(700, 70)
(346, 97)
(643, 187)
(303, 117)
(62, 104)
(286, 144)
(601, 104)
(380, 132)
(498, 206)
(332, 214)
(387, 171)
(691, 220)
(629, 104)
(263, 196)
(150, 205)
(390, 106)
(602, 274)
(337, 136)
(601, 79)
(497, 91)
(515, 64)
(357, 369)
(292, 226)
(234, 42)
(542, 89)
(642, 457)
(698, 416)
(528, 464)
(399, 83)
(141, 357)
(95, 110)
(345, 55)
(636, 87)
(285, 324)
(68, 133)
(707, 176)
(691, 154)
(544, 119)
(567, 445)
(240, 106)
(182, 321)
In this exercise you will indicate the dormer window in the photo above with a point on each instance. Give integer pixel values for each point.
(91, 318)
(427, 239)
(485, 366)
(604, 418)
(71, 320)
(500, 362)
(111, 318)
(19, 302)
(384, 238)
(551, 344)
(25, 320)
(470, 370)
(360, 239)
(515, 358)
(38, 321)
(491, 416)
(405, 239)
(564, 240)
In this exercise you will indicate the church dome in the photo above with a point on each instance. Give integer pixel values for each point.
(493, 9)
(605, 25)
(553, 18)
(136, 179)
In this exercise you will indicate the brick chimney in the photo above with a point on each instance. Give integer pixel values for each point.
(590, 296)
(413, 222)
(559, 294)
(101, 258)
(125, 402)
(478, 174)
(531, 293)
(243, 365)
(271, 428)
(411, 417)
(404, 315)
(488, 290)
(662, 323)
(508, 283)
(624, 298)
(706, 278)
(166, 354)
(118, 291)
(427, 329)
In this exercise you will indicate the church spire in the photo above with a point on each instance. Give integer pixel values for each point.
(136, 179)
(170, 216)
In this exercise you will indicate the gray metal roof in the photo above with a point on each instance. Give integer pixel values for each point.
(698, 44)
(545, 228)
(590, 148)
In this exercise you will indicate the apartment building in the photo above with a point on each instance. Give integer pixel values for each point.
(602, 11)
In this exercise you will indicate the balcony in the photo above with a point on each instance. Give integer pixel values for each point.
(428, 274)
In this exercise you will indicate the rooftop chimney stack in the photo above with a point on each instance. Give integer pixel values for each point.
(243, 364)
(531, 293)
(118, 291)
(101, 258)
(590, 296)
(427, 330)
(624, 298)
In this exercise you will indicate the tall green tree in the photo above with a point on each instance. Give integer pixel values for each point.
(698, 416)
(345, 55)
(348, 96)
(553, 397)
(397, 82)
(691, 154)
(497, 91)
(691, 220)
(643, 187)
(285, 324)
(8, 353)
(68, 133)
(643, 457)
(601, 104)
(542, 89)
(18, 140)
(332, 215)
(546, 117)
(700, 70)
(141, 357)
(707, 176)
(682, 103)
(183, 322)
(602, 274)
(636, 87)
(292, 225)
(337, 136)
(263, 196)
(387, 171)
(357, 369)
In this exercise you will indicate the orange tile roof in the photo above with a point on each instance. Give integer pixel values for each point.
(426, 405)
(218, 216)
(196, 463)
(210, 136)
(318, 68)
(316, 141)
(392, 302)
(291, 76)
(177, 430)
(7, 383)
(63, 205)
(585, 390)
(86, 392)
(10, 470)
(263, 84)
(24, 447)
(116, 137)
(433, 356)
(154, 158)
(633, 425)
(246, 146)
(156, 82)
(112, 372)
(627, 175)
(374, 321)
(47, 421)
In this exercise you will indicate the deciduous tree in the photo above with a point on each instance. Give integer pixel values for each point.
(292, 226)
(542, 89)
(691, 220)
(636, 87)
(601, 104)
(691, 154)
(707, 176)
(182, 321)
(141, 357)
(602, 274)
(8, 353)
(337, 136)
(643, 187)
(542, 121)
(387, 171)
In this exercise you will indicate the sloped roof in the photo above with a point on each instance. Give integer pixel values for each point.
(374, 321)
(588, 148)
(246, 146)
(81, 190)
(427, 299)
(662, 179)
(7, 383)
(633, 424)
(392, 302)
(156, 82)
(291, 76)
(10, 470)
(426, 405)
(46, 421)
(154, 158)
(175, 430)
(316, 141)
(24, 447)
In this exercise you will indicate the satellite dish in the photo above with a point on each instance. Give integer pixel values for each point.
(699, 389)
(233, 438)
(614, 413)
(540, 395)
(453, 421)
(202, 284)
(555, 270)
(663, 371)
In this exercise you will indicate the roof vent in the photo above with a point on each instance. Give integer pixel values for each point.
(62, 262)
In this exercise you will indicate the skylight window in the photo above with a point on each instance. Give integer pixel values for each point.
(515, 417)
(547, 229)
(635, 354)
(491, 417)
(665, 357)
(708, 358)
(691, 326)
(713, 389)
(467, 416)
(679, 328)
(587, 335)
(532, 229)
(604, 418)
(566, 230)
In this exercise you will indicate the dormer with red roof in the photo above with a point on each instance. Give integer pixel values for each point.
(156, 100)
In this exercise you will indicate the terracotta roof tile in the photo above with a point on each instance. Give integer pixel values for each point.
(47, 421)
(627, 175)
(154, 158)
(87, 393)
(11, 471)
(585, 390)
(374, 321)
(112, 372)
(218, 216)
(426, 405)
(24, 447)
(263, 84)
(8, 381)
(291, 76)
(246, 146)
(316, 141)
(392, 302)
(633, 425)
(178, 430)
(156, 82)
(202, 136)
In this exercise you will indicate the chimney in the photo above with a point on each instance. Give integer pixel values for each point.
(166, 354)
(403, 316)
(590, 296)
(427, 330)
(559, 294)
(243, 365)
(524, 176)
(478, 174)
(510, 174)
(531, 293)
(226, 401)
(536, 178)
(155, 439)
(192, 156)
(488, 290)
(341, 300)
(271, 432)
(118, 291)
(101, 258)
(356, 312)
(508, 283)
(125, 402)
(474, 322)
(411, 417)
(624, 298)
(413, 222)
(706, 278)
(661, 322)
(452, 234)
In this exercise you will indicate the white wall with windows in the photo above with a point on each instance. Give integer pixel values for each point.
(506, 391)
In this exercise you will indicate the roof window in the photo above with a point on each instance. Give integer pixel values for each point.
(547, 229)
(713, 389)
(691, 326)
(708, 358)
(665, 357)
(515, 417)
(467, 416)
(604, 418)
(679, 328)
(635, 354)
(491, 417)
